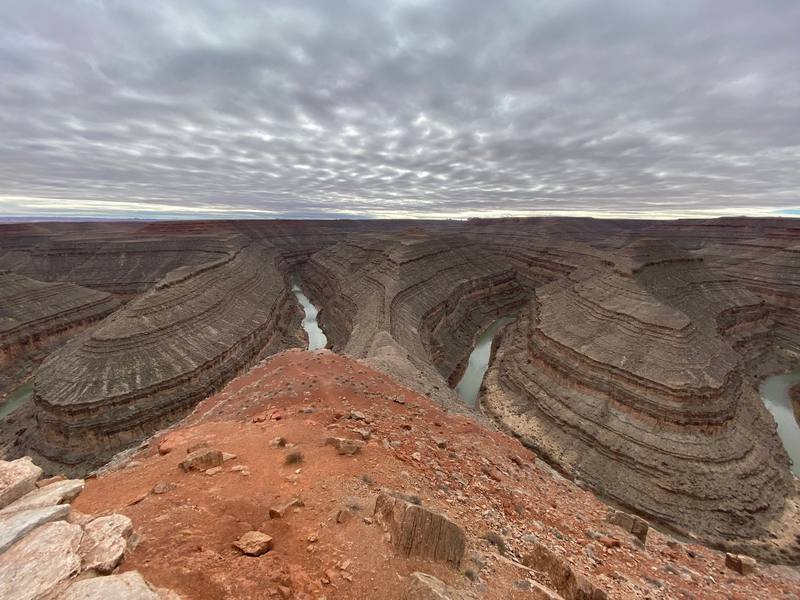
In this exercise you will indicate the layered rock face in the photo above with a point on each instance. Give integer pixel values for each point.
(422, 298)
(632, 379)
(152, 361)
(34, 316)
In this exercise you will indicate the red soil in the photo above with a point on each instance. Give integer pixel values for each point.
(483, 480)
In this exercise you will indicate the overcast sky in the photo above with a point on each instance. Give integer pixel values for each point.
(414, 108)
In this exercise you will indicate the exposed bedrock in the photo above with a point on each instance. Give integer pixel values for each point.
(123, 265)
(414, 297)
(149, 363)
(35, 316)
(632, 380)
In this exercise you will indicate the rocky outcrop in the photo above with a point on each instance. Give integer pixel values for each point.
(49, 551)
(166, 350)
(420, 532)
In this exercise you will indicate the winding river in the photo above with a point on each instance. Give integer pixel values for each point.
(316, 339)
(775, 393)
(470, 383)
(16, 399)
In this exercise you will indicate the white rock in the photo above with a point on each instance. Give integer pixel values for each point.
(127, 586)
(49, 495)
(36, 564)
(14, 526)
(17, 478)
(104, 542)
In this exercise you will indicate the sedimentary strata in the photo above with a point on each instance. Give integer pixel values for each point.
(35, 316)
(152, 361)
(632, 379)
(411, 302)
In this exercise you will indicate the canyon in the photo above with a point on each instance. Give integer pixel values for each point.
(632, 365)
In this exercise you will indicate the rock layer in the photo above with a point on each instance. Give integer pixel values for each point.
(151, 362)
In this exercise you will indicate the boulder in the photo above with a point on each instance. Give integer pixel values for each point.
(36, 564)
(569, 583)
(420, 532)
(104, 542)
(421, 586)
(254, 543)
(630, 523)
(14, 526)
(17, 478)
(202, 460)
(344, 446)
(126, 586)
(49, 495)
(744, 565)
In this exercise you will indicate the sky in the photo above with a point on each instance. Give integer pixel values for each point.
(406, 108)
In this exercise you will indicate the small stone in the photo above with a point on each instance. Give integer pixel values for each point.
(635, 525)
(416, 456)
(162, 487)
(201, 460)
(344, 446)
(285, 592)
(226, 456)
(213, 471)
(242, 469)
(440, 443)
(278, 442)
(279, 511)
(744, 565)
(254, 543)
(357, 415)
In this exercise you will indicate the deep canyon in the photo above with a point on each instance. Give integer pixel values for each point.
(632, 365)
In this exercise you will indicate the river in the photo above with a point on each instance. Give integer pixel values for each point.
(16, 399)
(478, 363)
(316, 338)
(775, 393)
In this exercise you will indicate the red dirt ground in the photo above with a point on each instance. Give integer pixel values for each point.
(483, 480)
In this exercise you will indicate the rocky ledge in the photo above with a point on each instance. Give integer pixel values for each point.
(49, 550)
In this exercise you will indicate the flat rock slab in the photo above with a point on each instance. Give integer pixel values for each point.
(421, 586)
(16, 525)
(104, 542)
(127, 586)
(49, 495)
(17, 478)
(33, 566)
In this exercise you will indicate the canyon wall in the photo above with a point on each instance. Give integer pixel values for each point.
(149, 363)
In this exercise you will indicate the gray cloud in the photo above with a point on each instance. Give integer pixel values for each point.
(365, 108)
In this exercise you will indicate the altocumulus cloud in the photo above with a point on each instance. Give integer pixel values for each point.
(411, 108)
